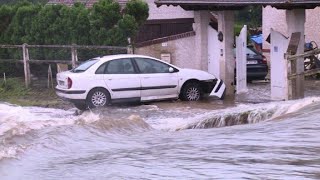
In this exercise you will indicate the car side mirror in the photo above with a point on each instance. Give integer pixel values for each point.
(171, 70)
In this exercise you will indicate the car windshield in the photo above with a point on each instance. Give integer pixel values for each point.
(250, 52)
(84, 66)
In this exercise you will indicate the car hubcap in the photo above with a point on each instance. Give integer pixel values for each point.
(193, 94)
(99, 99)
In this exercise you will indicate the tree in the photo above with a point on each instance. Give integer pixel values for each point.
(251, 16)
(138, 9)
(20, 27)
(6, 16)
(104, 16)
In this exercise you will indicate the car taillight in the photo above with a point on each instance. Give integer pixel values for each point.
(264, 60)
(69, 83)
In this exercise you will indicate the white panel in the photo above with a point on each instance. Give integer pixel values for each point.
(213, 52)
(279, 70)
(241, 61)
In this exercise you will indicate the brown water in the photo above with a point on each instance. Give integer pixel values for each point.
(251, 138)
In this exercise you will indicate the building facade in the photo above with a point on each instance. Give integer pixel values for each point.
(276, 19)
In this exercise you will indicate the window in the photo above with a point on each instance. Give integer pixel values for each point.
(84, 66)
(147, 66)
(120, 66)
(101, 69)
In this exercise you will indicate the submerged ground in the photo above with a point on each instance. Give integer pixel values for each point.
(249, 138)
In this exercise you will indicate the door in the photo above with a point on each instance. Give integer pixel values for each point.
(122, 79)
(157, 82)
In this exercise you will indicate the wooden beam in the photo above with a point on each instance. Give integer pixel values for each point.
(49, 61)
(306, 73)
(304, 55)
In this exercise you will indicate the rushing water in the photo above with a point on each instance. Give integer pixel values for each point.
(173, 140)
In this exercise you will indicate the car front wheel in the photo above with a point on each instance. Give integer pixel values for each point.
(98, 97)
(191, 92)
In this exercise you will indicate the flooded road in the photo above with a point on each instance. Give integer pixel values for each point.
(252, 138)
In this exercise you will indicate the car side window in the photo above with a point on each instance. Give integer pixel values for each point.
(120, 66)
(101, 69)
(147, 66)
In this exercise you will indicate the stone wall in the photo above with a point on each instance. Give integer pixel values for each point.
(182, 51)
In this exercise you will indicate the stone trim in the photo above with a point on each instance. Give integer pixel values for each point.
(166, 39)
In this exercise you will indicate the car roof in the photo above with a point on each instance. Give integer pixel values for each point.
(119, 56)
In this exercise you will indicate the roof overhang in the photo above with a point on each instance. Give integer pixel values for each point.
(216, 5)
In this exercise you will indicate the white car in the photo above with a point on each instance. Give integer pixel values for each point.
(126, 78)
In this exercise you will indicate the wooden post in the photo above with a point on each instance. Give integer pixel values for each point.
(74, 56)
(295, 21)
(27, 77)
(4, 79)
(50, 79)
(130, 47)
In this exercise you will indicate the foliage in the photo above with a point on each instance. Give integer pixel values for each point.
(12, 87)
(138, 9)
(16, 1)
(14, 91)
(103, 24)
(104, 16)
(251, 16)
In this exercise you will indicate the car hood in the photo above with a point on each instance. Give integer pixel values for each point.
(196, 74)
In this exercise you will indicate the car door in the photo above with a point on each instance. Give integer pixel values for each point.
(156, 80)
(122, 79)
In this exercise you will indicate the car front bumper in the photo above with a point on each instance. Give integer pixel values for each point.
(218, 89)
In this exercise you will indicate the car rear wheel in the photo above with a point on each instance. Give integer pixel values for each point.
(80, 106)
(191, 92)
(98, 97)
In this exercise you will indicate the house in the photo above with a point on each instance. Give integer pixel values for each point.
(276, 19)
(167, 34)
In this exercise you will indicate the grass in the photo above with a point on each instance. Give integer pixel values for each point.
(13, 91)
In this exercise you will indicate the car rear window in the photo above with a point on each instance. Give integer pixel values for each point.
(84, 66)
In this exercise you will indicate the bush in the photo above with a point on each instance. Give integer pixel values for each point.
(12, 87)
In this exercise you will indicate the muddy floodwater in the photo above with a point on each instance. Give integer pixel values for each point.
(250, 138)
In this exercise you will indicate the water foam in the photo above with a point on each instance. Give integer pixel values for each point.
(241, 114)
(18, 121)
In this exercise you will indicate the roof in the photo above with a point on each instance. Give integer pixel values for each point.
(87, 3)
(238, 4)
(119, 56)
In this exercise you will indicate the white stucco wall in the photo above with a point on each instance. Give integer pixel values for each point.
(181, 50)
(276, 19)
(167, 12)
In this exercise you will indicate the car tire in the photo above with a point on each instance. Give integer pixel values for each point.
(191, 92)
(80, 106)
(98, 97)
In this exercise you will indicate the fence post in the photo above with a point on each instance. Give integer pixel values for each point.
(74, 55)
(27, 77)
(50, 79)
(130, 49)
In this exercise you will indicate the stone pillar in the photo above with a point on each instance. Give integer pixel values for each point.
(227, 63)
(241, 61)
(295, 21)
(201, 22)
